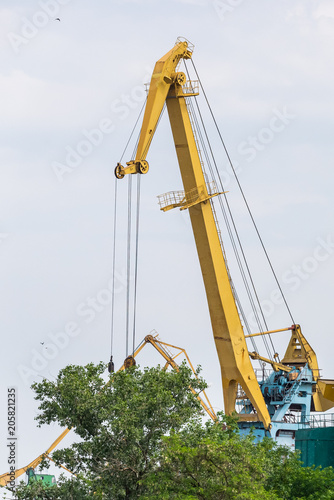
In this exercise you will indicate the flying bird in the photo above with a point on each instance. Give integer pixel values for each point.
(57, 19)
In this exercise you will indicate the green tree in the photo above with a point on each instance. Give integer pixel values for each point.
(143, 437)
(64, 490)
(214, 462)
(121, 424)
(295, 482)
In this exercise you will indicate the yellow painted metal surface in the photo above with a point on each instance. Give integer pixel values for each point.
(267, 333)
(164, 74)
(298, 353)
(170, 360)
(327, 388)
(276, 366)
(236, 367)
(325, 395)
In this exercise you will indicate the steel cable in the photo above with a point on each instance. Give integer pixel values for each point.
(113, 271)
(236, 233)
(244, 198)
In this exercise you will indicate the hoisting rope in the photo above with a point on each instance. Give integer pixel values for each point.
(134, 128)
(243, 196)
(136, 239)
(113, 274)
(128, 267)
(128, 251)
(136, 265)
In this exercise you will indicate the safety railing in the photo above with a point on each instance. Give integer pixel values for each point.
(191, 87)
(182, 39)
(316, 421)
(171, 199)
(174, 199)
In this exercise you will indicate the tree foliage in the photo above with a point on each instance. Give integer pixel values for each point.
(121, 424)
(143, 437)
(64, 490)
(214, 462)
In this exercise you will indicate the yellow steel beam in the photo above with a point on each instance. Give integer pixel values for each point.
(235, 364)
(59, 465)
(299, 349)
(276, 366)
(267, 333)
(159, 346)
(162, 77)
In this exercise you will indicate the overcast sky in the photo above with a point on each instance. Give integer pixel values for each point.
(267, 69)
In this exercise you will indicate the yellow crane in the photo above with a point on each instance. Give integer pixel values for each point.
(298, 369)
(170, 86)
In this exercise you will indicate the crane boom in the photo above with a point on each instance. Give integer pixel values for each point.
(167, 85)
(162, 77)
